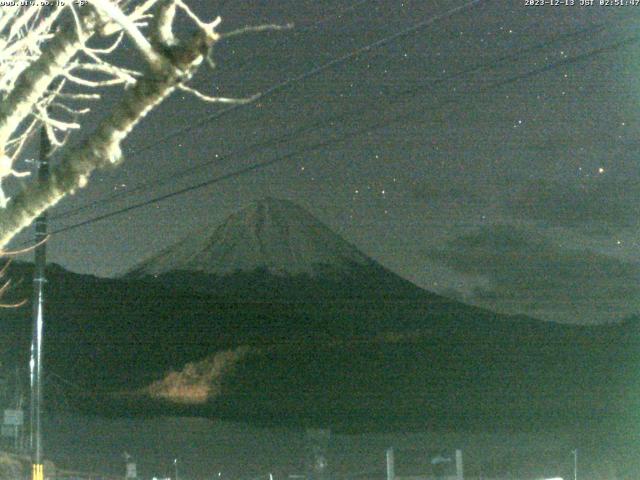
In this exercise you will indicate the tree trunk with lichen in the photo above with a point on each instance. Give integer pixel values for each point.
(102, 148)
(36, 79)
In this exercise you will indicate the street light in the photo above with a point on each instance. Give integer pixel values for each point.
(175, 468)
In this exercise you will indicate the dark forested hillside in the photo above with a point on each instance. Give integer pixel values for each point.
(320, 352)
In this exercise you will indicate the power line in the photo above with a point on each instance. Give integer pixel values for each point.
(313, 72)
(342, 11)
(269, 91)
(318, 145)
(279, 140)
(315, 24)
(346, 136)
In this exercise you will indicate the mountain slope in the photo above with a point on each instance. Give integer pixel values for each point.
(272, 235)
(336, 340)
(274, 249)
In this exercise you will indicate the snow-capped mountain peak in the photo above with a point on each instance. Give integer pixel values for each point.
(271, 234)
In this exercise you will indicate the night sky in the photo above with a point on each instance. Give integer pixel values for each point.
(490, 156)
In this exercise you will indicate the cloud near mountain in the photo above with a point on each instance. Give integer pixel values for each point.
(527, 270)
(601, 205)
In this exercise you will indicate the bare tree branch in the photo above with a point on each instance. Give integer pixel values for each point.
(210, 99)
(256, 28)
(102, 148)
(48, 69)
(117, 15)
(35, 80)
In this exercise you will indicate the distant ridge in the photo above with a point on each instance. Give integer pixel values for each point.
(271, 318)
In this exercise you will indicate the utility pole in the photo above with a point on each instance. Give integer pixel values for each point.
(459, 465)
(391, 466)
(39, 280)
(575, 464)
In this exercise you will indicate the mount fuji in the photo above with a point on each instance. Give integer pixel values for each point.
(272, 318)
(274, 248)
(273, 235)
